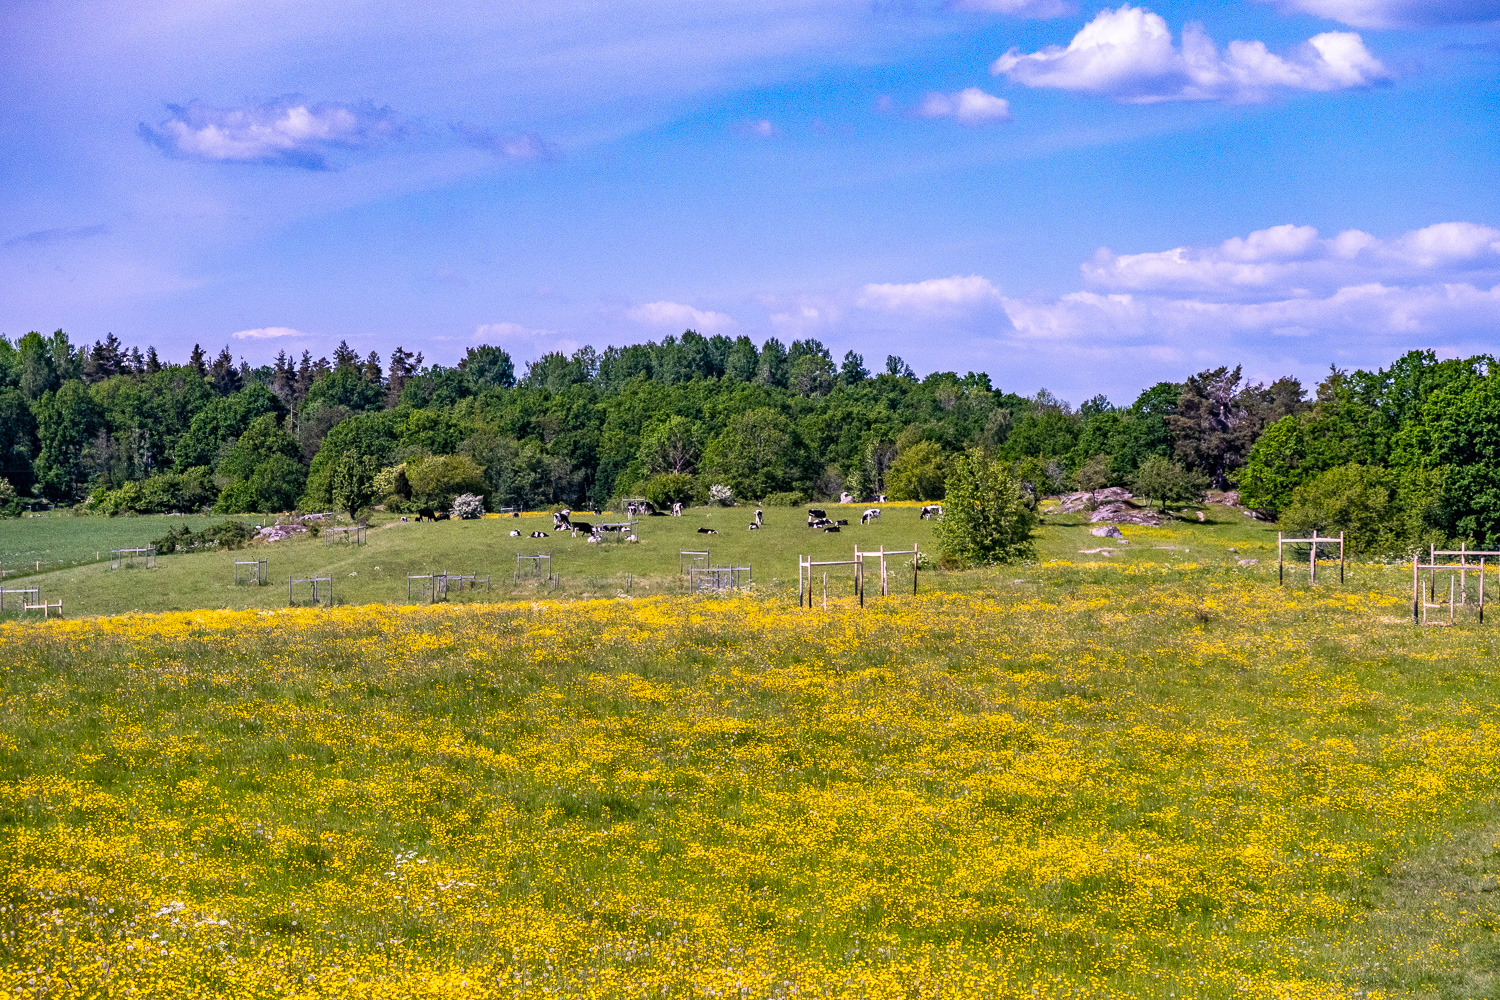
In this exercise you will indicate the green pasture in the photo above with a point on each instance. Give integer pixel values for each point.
(1067, 554)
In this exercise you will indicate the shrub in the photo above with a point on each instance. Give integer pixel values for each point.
(665, 490)
(225, 534)
(10, 504)
(1362, 502)
(986, 518)
(917, 473)
(170, 493)
(436, 480)
(720, 494)
(783, 500)
(467, 506)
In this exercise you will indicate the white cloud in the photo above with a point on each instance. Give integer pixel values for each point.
(1295, 262)
(1019, 8)
(970, 106)
(760, 129)
(675, 314)
(936, 295)
(288, 132)
(1128, 54)
(1398, 13)
(508, 331)
(521, 147)
(267, 333)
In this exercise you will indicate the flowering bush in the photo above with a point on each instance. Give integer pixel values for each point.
(720, 494)
(467, 506)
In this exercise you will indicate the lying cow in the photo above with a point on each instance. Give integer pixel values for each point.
(873, 514)
(821, 522)
(934, 510)
(831, 529)
(707, 531)
(813, 512)
(515, 532)
(842, 522)
(537, 534)
(754, 526)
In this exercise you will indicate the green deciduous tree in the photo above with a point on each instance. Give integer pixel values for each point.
(756, 454)
(918, 473)
(1166, 481)
(986, 518)
(354, 483)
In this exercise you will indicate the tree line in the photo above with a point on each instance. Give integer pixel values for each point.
(1399, 455)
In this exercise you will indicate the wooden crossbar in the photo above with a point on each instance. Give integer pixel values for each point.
(1312, 557)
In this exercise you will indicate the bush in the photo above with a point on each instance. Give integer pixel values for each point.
(10, 504)
(917, 473)
(170, 493)
(986, 518)
(437, 480)
(720, 494)
(783, 500)
(1166, 481)
(225, 534)
(467, 506)
(665, 490)
(1376, 513)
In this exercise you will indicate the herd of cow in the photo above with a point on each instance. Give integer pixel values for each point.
(563, 520)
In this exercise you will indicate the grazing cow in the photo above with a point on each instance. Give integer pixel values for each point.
(560, 520)
(934, 510)
(630, 510)
(873, 514)
(515, 532)
(760, 516)
(707, 531)
(831, 529)
(583, 526)
(677, 510)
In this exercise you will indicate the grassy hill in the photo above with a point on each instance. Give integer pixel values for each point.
(376, 572)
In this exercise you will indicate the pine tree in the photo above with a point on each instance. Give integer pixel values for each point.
(371, 369)
(224, 375)
(344, 357)
(196, 361)
(153, 363)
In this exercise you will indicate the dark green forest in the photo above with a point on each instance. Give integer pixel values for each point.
(1397, 457)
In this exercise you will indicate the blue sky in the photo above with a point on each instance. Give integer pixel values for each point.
(1084, 198)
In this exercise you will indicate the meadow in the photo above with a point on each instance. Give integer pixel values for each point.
(376, 572)
(1148, 774)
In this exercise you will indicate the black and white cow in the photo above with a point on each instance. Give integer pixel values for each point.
(515, 532)
(707, 531)
(560, 520)
(538, 534)
(677, 510)
(931, 511)
(873, 514)
(760, 517)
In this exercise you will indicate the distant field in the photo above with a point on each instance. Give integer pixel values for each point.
(376, 572)
(61, 539)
